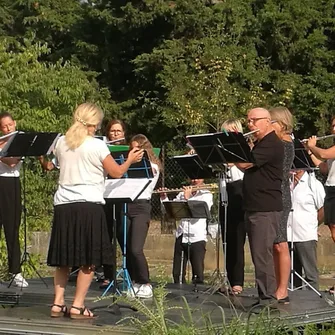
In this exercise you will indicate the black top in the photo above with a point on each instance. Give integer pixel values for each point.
(262, 182)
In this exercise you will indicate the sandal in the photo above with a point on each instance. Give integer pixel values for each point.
(105, 284)
(331, 290)
(63, 311)
(82, 314)
(236, 290)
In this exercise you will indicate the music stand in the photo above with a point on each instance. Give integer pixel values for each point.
(27, 145)
(191, 209)
(302, 161)
(125, 190)
(216, 150)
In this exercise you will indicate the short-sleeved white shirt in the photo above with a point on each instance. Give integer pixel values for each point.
(82, 176)
(8, 171)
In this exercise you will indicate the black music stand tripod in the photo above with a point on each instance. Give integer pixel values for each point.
(217, 150)
(28, 145)
(191, 209)
(302, 161)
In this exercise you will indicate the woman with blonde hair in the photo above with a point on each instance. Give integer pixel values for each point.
(79, 234)
(139, 214)
(282, 121)
(235, 226)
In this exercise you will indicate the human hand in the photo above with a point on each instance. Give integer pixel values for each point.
(162, 194)
(311, 142)
(187, 192)
(135, 155)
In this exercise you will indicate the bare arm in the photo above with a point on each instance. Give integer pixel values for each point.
(10, 161)
(244, 166)
(45, 164)
(319, 152)
(117, 171)
(320, 215)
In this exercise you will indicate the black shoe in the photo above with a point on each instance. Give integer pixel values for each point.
(284, 301)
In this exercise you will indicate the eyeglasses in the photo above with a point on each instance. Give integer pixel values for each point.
(116, 131)
(255, 119)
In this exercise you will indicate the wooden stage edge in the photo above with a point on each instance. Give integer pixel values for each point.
(28, 310)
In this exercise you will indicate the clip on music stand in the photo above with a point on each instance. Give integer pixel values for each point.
(126, 190)
(302, 161)
(28, 145)
(216, 150)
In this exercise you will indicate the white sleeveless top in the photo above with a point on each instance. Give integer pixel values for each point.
(7, 171)
(331, 173)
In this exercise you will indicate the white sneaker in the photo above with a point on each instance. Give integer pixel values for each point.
(19, 281)
(145, 291)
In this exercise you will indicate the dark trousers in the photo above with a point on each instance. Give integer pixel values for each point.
(195, 252)
(139, 215)
(304, 258)
(10, 219)
(119, 216)
(235, 233)
(262, 230)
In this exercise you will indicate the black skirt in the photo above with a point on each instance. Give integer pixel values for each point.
(79, 236)
(329, 205)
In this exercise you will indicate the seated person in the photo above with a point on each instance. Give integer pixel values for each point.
(191, 235)
(307, 203)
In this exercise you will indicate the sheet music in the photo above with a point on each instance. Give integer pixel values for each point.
(52, 146)
(128, 189)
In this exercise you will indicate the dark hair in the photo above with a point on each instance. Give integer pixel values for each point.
(6, 114)
(111, 123)
(145, 144)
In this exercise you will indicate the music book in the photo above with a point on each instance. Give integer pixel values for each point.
(125, 189)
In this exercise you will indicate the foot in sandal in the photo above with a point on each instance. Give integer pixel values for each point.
(81, 313)
(58, 311)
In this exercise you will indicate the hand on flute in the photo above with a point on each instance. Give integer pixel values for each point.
(162, 194)
(187, 192)
(311, 142)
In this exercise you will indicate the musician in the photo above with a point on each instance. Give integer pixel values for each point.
(307, 203)
(10, 202)
(79, 234)
(282, 122)
(191, 235)
(262, 199)
(327, 167)
(139, 215)
(236, 231)
(116, 130)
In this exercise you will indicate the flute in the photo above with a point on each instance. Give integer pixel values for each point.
(318, 138)
(194, 188)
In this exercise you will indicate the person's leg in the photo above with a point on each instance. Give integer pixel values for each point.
(177, 258)
(282, 268)
(297, 266)
(262, 230)
(308, 258)
(140, 217)
(11, 215)
(85, 276)
(197, 258)
(60, 281)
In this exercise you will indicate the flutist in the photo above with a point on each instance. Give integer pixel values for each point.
(327, 166)
(191, 236)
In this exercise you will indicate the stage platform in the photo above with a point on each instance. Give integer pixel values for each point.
(27, 311)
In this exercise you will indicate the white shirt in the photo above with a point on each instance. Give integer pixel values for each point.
(146, 194)
(331, 173)
(307, 198)
(8, 171)
(82, 176)
(194, 230)
(233, 174)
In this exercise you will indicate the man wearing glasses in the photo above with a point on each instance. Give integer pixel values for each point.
(263, 200)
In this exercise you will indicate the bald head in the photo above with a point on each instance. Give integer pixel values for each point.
(259, 112)
(259, 119)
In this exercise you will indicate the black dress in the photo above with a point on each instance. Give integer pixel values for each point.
(286, 191)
